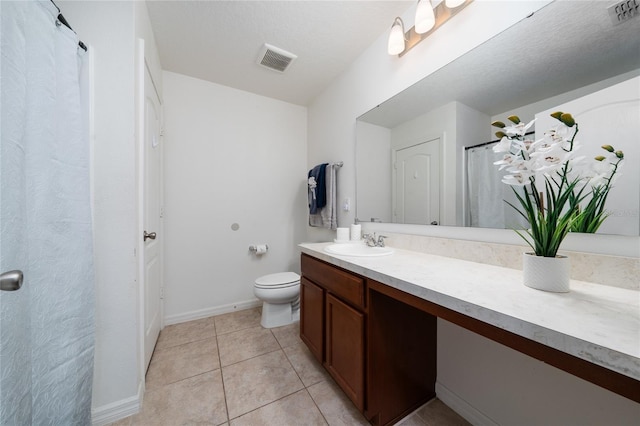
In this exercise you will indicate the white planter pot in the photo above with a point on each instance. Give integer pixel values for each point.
(546, 273)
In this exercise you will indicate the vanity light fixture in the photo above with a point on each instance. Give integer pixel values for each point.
(427, 20)
(396, 37)
(425, 17)
(453, 3)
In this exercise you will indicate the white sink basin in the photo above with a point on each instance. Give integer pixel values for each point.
(361, 250)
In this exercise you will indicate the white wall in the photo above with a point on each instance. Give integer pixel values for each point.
(144, 31)
(110, 30)
(504, 387)
(230, 157)
(373, 78)
(373, 172)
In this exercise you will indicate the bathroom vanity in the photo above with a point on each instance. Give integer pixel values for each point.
(379, 351)
(372, 321)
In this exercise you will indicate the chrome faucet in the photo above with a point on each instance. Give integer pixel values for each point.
(371, 241)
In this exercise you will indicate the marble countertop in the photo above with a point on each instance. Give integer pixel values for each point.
(598, 323)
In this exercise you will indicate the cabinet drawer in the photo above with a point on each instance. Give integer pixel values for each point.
(345, 285)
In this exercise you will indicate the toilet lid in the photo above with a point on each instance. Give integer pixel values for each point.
(279, 279)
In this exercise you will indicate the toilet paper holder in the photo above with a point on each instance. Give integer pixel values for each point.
(254, 248)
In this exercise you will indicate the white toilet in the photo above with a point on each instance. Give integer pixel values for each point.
(280, 295)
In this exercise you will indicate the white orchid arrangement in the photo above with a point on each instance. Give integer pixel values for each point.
(557, 210)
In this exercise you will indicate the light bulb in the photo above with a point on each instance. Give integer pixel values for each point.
(396, 38)
(453, 3)
(425, 18)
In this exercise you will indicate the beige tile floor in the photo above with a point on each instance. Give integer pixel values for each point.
(228, 370)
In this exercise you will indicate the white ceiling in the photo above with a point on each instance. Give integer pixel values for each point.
(219, 41)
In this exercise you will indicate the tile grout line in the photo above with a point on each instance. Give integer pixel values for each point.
(282, 348)
(305, 387)
(224, 389)
(180, 344)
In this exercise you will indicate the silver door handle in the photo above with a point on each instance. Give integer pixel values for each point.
(11, 280)
(149, 236)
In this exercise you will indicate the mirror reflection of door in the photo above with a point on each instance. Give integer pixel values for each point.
(417, 184)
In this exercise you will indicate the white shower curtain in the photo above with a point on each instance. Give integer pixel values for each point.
(46, 327)
(486, 190)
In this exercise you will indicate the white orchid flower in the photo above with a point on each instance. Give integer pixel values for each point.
(503, 146)
(518, 129)
(506, 161)
(547, 142)
(598, 181)
(524, 145)
(600, 172)
(517, 179)
(519, 164)
(565, 180)
(550, 158)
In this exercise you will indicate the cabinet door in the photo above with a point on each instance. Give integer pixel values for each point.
(344, 356)
(312, 317)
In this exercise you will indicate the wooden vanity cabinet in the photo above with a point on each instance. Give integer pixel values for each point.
(378, 348)
(332, 323)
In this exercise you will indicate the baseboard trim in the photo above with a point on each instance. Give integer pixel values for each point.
(209, 312)
(118, 410)
(462, 407)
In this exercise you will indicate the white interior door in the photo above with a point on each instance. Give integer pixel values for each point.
(152, 238)
(417, 188)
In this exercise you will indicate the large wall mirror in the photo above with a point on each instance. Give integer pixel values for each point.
(569, 54)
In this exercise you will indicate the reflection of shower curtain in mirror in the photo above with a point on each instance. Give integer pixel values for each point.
(486, 190)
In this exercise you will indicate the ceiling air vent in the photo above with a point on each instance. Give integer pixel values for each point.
(275, 58)
(624, 10)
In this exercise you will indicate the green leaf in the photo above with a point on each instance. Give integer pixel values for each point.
(557, 115)
(567, 119)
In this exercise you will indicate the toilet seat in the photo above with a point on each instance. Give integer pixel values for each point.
(278, 280)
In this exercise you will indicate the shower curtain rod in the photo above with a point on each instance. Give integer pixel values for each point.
(489, 143)
(64, 22)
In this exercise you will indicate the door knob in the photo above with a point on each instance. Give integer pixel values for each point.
(11, 280)
(149, 236)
